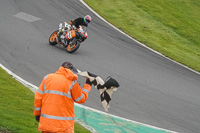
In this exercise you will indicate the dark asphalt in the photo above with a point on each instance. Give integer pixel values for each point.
(153, 90)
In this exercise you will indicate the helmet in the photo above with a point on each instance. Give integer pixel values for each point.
(87, 19)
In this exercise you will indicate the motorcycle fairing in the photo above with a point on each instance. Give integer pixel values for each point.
(70, 34)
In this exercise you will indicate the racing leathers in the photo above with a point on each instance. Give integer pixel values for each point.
(79, 21)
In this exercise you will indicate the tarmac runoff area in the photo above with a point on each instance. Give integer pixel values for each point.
(98, 121)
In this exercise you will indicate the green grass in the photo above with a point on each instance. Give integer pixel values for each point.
(171, 27)
(16, 107)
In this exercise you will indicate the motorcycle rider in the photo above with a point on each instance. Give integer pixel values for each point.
(75, 25)
(81, 21)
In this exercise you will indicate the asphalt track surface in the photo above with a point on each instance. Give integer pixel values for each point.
(153, 90)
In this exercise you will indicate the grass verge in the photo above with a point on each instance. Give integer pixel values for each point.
(170, 27)
(16, 107)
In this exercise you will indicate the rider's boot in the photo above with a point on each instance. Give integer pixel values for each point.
(58, 37)
(66, 43)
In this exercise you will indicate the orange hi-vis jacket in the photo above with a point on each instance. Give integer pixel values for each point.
(54, 100)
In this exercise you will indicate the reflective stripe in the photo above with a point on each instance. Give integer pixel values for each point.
(57, 117)
(45, 78)
(36, 108)
(58, 93)
(41, 92)
(71, 86)
(79, 98)
(85, 90)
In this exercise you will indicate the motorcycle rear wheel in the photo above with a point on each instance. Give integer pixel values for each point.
(52, 38)
(73, 48)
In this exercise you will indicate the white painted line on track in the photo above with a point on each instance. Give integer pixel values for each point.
(143, 46)
(136, 40)
(33, 88)
(27, 17)
(82, 106)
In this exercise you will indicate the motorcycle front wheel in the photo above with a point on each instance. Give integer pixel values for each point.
(52, 38)
(73, 47)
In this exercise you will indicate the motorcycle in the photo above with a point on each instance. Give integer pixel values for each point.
(70, 37)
